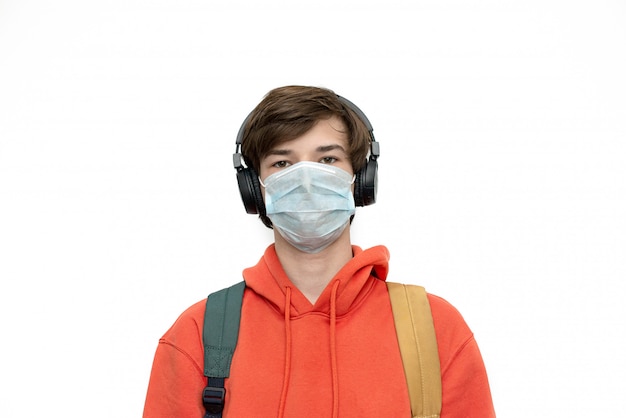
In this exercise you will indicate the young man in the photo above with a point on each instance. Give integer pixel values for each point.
(317, 336)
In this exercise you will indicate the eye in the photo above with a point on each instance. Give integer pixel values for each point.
(280, 164)
(328, 160)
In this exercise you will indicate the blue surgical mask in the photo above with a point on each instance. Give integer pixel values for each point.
(310, 204)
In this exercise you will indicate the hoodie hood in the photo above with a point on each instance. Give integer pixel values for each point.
(351, 282)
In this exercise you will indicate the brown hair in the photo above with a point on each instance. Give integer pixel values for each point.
(286, 113)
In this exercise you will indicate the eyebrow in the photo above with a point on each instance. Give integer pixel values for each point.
(326, 148)
(320, 149)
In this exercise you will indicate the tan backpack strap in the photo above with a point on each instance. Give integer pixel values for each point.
(418, 348)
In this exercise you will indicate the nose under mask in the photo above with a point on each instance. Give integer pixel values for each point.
(309, 204)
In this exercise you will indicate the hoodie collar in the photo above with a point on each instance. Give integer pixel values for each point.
(268, 279)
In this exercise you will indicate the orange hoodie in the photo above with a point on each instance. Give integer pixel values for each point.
(336, 358)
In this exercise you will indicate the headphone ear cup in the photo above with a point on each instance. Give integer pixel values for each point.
(366, 183)
(250, 191)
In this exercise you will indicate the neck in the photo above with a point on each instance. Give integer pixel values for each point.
(311, 273)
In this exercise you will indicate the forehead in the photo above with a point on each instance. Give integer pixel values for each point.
(325, 134)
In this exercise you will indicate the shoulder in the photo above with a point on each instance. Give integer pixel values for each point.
(444, 312)
(453, 333)
(177, 374)
(447, 318)
(451, 330)
(188, 326)
(466, 389)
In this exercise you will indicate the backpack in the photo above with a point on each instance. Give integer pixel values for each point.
(414, 328)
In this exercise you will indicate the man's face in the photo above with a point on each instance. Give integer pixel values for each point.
(326, 143)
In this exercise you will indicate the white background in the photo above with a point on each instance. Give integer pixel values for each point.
(502, 127)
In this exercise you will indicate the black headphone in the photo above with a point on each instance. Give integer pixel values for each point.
(365, 183)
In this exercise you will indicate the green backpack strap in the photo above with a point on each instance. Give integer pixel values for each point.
(219, 335)
(418, 348)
